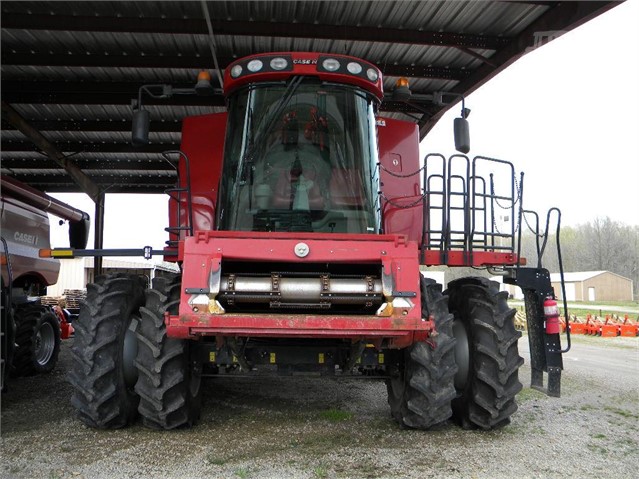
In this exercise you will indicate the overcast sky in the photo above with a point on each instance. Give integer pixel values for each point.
(566, 114)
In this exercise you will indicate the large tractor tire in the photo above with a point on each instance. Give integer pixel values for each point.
(420, 387)
(169, 377)
(102, 374)
(38, 340)
(486, 354)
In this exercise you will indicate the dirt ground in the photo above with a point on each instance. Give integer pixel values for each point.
(325, 428)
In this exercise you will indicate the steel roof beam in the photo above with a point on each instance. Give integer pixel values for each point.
(84, 98)
(565, 16)
(196, 26)
(41, 142)
(111, 61)
(91, 147)
(172, 126)
(197, 62)
(95, 93)
(88, 93)
(92, 87)
(88, 164)
(109, 184)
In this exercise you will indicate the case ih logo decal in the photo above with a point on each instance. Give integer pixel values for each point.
(25, 238)
(304, 61)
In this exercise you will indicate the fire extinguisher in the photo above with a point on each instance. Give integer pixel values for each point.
(551, 313)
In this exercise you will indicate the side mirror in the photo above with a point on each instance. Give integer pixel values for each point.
(79, 232)
(462, 135)
(140, 128)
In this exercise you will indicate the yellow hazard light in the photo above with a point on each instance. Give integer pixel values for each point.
(401, 82)
(3, 259)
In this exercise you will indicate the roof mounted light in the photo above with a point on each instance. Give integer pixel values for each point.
(203, 85)
(236, 71)
(278, 63)
(402, 82)
(255, 65)
(354, 68)
(372, 74)
(331, 64)
(402, 90)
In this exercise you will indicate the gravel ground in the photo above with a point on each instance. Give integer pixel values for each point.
(324, 428)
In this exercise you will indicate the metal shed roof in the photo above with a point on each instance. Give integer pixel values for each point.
(70, 69)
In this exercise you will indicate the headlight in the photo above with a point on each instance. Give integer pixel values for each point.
(354, 68)
(236, 71)
(279, 63)
(255, 65)
(372, 74)
(330, 64)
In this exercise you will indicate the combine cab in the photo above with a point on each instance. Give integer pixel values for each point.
(300, 222)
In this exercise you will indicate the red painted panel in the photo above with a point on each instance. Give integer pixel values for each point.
(399, 155)
(204, 252)
(203, 143)
(465, 258)
(304, 63)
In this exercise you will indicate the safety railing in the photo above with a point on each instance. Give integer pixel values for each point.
(470, 205)
(180, 195)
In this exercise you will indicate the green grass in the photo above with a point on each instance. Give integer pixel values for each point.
(597, 449)
(526, 394)
(242, 473)
(320, 472)
(575, 310)
(632, 304)
(621, 412)
(216, 461)
(599, 436)
(336, 415)
(583, 313)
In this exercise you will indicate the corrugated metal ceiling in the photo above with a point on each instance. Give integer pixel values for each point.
(71, 68)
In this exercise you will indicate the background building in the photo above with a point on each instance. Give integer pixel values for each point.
(584, 286)
(76, 273)
(594, 286)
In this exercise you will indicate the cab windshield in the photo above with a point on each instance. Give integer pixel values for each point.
(300, 156)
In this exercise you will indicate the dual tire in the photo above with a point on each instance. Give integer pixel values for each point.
(487, 354)
(420, 386)
(37, 336)
(30, 339)
(468, 372)
(123, 364)
(169, 377)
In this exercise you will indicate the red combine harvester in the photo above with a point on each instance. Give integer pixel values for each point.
(300, 222)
